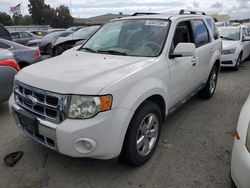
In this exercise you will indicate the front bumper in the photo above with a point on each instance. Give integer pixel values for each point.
(228, 60)
(104, 133)
(240, 165)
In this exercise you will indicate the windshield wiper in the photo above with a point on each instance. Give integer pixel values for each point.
(112, 52)
(88, 49)
(226, 38)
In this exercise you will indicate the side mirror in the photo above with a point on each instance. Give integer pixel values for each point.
(184, 50)
(246, 38)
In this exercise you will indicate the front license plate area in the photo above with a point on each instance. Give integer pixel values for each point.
(28, 122)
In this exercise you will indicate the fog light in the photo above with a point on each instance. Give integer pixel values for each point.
(84, 145)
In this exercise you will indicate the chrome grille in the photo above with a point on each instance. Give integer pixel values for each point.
(49, 106)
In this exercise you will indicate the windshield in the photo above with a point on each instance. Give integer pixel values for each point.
(84, 33)
(130, 37)
(229, 33)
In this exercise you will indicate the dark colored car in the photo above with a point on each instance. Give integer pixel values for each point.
(4, 33)
(8, 70)
(23, 37)
(77, 38)
(47, 41)
(23, 55)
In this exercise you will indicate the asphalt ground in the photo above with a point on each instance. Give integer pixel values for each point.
(194, 148)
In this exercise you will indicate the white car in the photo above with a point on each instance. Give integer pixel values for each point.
(236, 46)
(111, 96)
(240, 162)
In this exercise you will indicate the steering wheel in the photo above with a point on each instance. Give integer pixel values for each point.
(153, 46)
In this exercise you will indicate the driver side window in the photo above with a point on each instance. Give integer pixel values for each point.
(183, 34)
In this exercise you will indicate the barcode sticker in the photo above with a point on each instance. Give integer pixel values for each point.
(159, 23)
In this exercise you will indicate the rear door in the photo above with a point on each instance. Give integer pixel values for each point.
(24, 38)
(204, 46)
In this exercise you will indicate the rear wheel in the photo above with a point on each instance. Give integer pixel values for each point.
(143, 134)
(209, 89)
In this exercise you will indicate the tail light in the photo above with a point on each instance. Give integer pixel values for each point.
(37, 54)
(11, 63)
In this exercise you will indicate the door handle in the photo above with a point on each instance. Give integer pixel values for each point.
(211, 50)
(194, 59)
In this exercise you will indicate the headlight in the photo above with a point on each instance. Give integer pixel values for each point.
(83, 107)
(248, 138)
(228, 51)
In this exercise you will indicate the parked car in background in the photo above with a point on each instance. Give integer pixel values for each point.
(111, 97)
(45, 43)
(240, 161)
(236, 46)
(23, 55)
(222, 24)
(74, 28)
(55, 30)
(4, 33)
(23, 37)
(8, 70)
(74, 39)
(39, 33)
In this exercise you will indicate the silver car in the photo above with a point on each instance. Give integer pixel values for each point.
(24, 55)
(8, 70)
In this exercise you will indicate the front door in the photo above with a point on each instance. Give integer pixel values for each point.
(183, 70)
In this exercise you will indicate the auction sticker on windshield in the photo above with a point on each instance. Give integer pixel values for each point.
(156, 23)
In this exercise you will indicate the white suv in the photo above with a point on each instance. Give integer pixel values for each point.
(111, 96)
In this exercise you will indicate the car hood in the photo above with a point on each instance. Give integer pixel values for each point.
(61, 40)
(81, 72)
(226, 44)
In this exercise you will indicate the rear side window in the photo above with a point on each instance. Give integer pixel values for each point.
(213, 28)
(200, 33)
(24, 35)
(14, 35)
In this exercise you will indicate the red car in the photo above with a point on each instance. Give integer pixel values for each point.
(8, 70)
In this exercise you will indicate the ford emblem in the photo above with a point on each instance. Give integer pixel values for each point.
(31, 101)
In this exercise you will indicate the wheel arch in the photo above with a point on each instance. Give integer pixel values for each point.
(23, 64)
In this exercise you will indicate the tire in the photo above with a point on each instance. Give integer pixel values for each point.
(209, 89)
(139, 145)
(237, 66)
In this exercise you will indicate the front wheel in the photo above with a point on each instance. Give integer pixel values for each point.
(209, 89)
(238, 62)
(143, 134)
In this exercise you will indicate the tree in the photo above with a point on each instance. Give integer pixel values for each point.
(17, 18)
(5, 19)
(36, 10)
(63, 19)
(26, 20)
(43, 14)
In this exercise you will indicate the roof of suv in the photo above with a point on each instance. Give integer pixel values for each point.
(163, 16)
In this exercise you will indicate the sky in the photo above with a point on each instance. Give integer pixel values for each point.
(87, 8)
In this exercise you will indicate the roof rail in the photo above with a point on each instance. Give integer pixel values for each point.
(182, 11)
(143, 13)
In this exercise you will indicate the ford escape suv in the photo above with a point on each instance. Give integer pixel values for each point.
(111, 96)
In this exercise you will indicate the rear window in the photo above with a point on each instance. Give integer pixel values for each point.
(200, 33)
